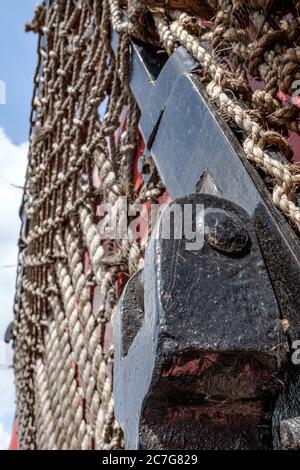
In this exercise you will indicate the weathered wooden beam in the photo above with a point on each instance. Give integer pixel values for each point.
(203, 8)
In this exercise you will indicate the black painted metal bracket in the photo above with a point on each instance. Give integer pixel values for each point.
(194, 150)
(198, 338)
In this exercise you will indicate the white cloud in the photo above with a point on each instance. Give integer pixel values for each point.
(4, 438)
(13, 160)
(7, 393)
(6, 357)
(7, 405)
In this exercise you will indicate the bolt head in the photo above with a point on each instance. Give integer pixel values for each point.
(225, 232)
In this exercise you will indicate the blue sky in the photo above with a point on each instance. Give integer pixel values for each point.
(18, 59)
(17, 65)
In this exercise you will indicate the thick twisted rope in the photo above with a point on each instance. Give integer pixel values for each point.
(283, 174)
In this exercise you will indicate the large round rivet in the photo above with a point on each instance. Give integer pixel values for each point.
(225, 232)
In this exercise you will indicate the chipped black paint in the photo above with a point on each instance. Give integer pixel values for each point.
(204, 367)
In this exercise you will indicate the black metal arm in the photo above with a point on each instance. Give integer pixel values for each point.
(195, 151)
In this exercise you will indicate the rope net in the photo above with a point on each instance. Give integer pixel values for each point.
(83, 140)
